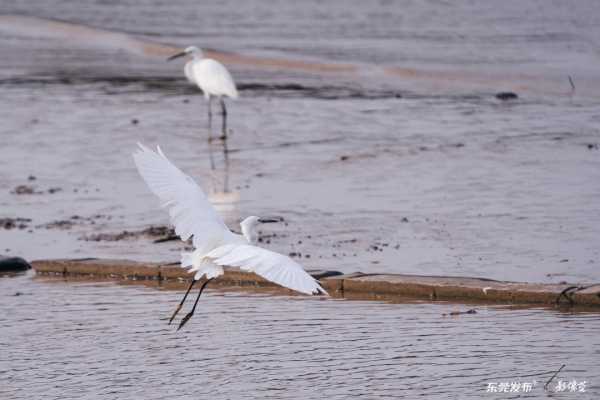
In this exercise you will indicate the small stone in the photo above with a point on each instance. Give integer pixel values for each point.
(504, 96)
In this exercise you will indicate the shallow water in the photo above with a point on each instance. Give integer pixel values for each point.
(101, 340)
(419, 171)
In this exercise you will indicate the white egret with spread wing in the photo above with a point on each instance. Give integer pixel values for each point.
(212, 78)
(215, 245)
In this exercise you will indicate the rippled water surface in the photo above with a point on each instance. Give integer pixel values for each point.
(75, 340)
(406, 162)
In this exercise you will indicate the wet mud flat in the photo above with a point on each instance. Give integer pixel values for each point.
(402, 195)
(358, 286)
(403, 163)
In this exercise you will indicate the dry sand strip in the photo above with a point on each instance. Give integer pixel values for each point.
(350, 286)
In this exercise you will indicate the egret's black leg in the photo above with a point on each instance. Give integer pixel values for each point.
(183, 300)
(224, 116)
(189, 315)
(210, 118)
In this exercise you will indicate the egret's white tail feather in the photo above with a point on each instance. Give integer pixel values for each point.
(195, 262)
(208, 268)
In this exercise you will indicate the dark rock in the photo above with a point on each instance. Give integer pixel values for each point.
(13, 264)
(506, 96)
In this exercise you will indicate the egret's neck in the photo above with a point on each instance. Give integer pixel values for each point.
(250, 233)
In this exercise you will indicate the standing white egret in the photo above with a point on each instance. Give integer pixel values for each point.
(215, 245)
(212, 78)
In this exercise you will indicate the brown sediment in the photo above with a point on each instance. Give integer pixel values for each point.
(164, 233)
(14, 223)
(387, 287)
(281, 63)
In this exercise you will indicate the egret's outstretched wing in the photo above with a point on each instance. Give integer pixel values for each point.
(272, 266)
(191, 212)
